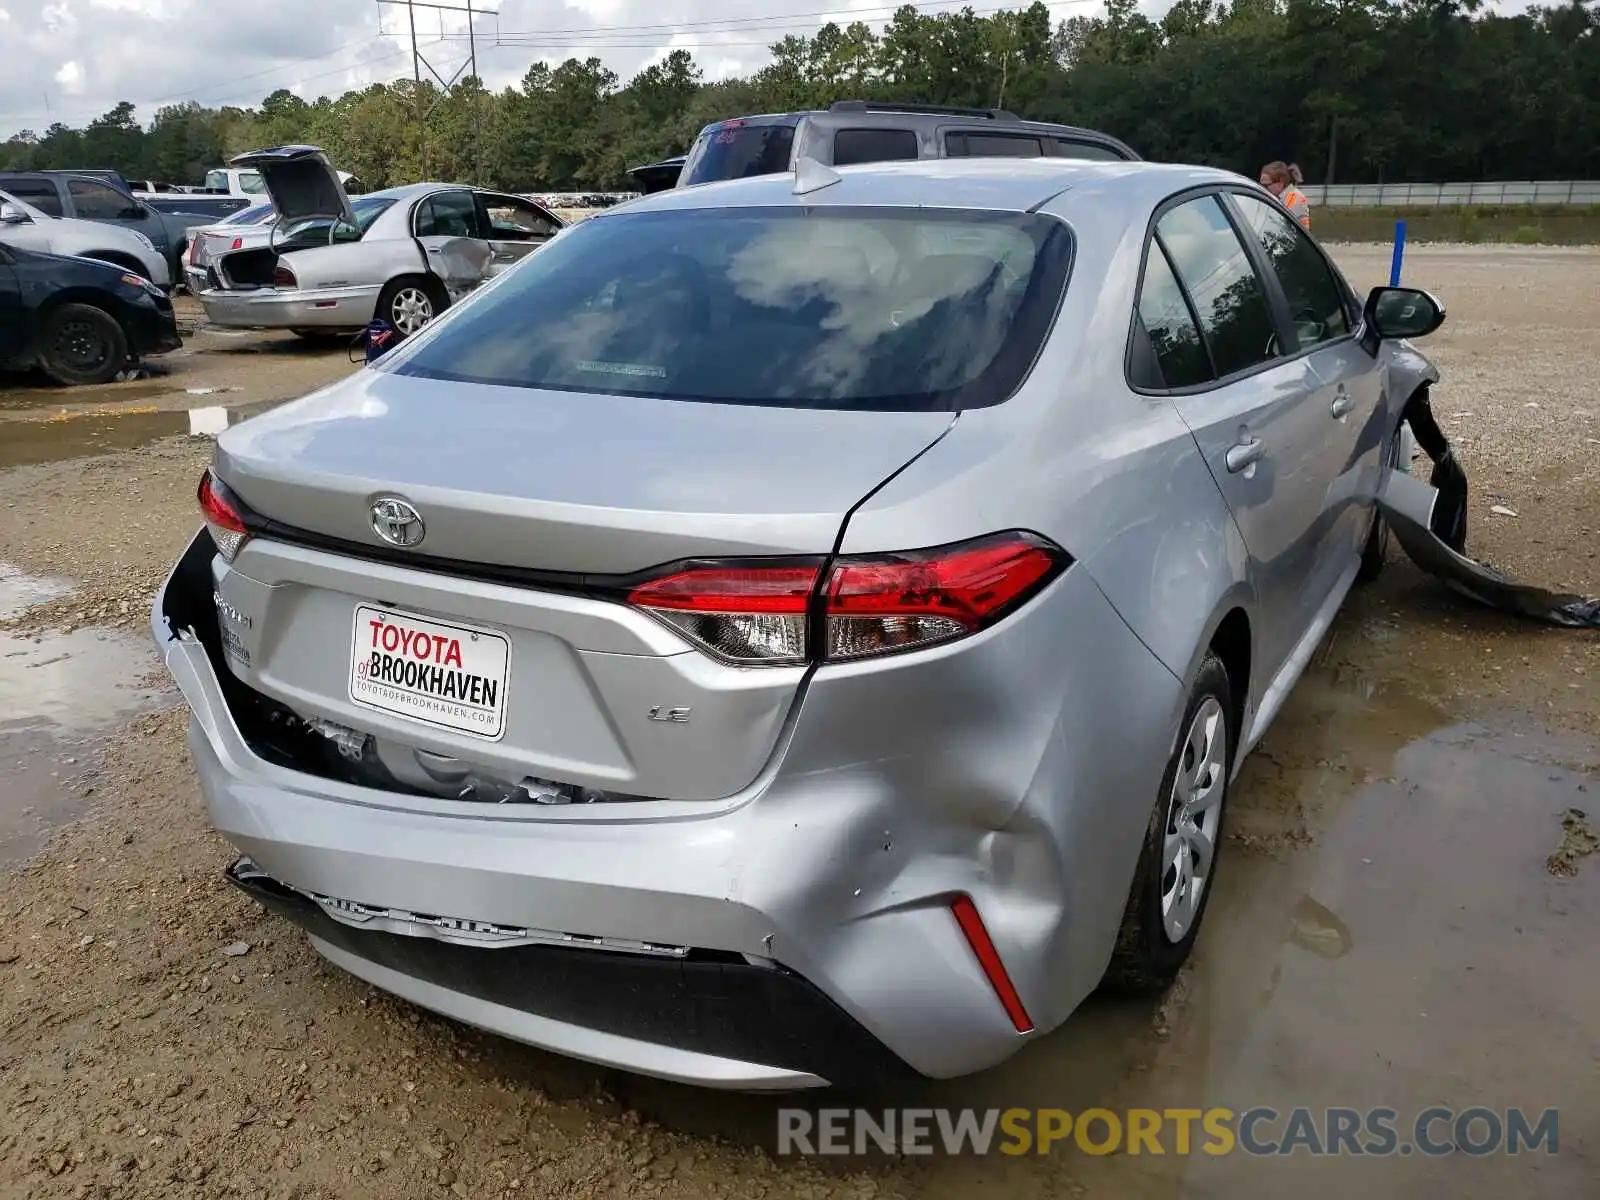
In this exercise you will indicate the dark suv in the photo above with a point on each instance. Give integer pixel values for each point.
(862, 131)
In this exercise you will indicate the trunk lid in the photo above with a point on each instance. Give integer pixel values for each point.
(564, 482)
(301, 182)
(539, 688)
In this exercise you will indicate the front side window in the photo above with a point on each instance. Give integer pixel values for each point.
(867, 309)
(1084, 151)
(98, 202)
(448, 214)
(992, 145)
(514, 220)
(873, 145)
(1216, 272)
(1316, 301)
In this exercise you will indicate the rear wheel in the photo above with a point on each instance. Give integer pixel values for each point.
(410, 303)
(1172, 884)
(80, 344)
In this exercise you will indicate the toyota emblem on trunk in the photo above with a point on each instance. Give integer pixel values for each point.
(396, 522)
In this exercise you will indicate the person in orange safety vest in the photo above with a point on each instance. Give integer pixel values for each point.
(1282, 180)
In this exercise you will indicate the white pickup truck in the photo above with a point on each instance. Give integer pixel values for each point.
(245, 183)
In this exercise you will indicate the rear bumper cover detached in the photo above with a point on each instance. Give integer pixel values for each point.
(810, 913)
(698, 1018)
(271, 308)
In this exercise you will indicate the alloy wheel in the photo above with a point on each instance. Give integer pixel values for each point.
(411, 309)
(1193, 818)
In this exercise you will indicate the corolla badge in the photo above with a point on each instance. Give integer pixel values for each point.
(396, 522)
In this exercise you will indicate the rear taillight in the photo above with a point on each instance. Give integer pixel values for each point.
(742, 612)
(759, 614)
(194, 249)
(238, 243)
(223, 518)
(283, 277)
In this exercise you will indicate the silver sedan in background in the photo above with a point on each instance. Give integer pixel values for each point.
(801, 628)
(327, 263)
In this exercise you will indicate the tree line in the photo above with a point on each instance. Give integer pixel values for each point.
(1355, 91)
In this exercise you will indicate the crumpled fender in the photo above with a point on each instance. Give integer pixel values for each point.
(1429, 521)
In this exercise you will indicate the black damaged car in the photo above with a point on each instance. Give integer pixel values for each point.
(77, 319)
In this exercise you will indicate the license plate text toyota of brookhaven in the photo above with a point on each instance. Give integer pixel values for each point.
(449, 676)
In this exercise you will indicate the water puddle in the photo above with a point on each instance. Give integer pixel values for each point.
(101, 431)
(64, 398)
(1392, 926)
(58, 693)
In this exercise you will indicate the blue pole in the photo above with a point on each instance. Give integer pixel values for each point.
(1399, 253)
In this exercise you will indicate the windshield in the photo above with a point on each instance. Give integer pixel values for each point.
(735, 150)
(250, 216)
(314, 232)
(873, 309)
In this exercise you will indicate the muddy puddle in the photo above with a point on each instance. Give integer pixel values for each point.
(106, 429)
(1389, 929)
(58, 693)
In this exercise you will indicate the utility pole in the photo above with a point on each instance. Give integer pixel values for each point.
(419, 60)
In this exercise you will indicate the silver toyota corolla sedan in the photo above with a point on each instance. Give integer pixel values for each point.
(796, 629)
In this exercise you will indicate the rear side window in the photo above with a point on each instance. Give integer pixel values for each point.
(448, 214)
(852, 308)
(1316, 300)
(992, 145)
(97, 202)
(1216, 273)
(873, 145)
(1091, 151)
(1169, 324)
(738, 151)
(40, 193)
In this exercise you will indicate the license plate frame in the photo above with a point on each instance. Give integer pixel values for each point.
(457, 681)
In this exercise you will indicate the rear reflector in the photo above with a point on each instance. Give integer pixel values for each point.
(222, 516)
(966, 914)
(758, 614)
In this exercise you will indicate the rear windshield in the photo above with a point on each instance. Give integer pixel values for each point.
(873, 309)
(737, 151)
(314, 232)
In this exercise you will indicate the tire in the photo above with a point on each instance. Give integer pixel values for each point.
(81, 344)
(1375, 552)
(1160, 925)
(410, 302)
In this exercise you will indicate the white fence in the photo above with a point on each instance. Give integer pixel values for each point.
(1438, 195)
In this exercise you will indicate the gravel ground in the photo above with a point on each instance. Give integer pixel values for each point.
(139, 1059)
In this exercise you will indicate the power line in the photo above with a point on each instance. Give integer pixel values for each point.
(836, 17)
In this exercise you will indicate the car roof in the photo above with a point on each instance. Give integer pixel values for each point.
(1003, 184)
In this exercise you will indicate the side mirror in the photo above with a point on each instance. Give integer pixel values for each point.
(10, 214)
(1396, 312)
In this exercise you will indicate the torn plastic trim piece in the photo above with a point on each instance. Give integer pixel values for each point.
(1429, 521)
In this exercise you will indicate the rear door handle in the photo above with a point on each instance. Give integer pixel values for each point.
(1343, 405)
(1244, 454)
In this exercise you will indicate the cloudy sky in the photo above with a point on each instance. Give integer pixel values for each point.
(70, 60)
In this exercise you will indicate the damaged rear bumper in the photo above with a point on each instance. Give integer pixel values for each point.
(815, 906)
